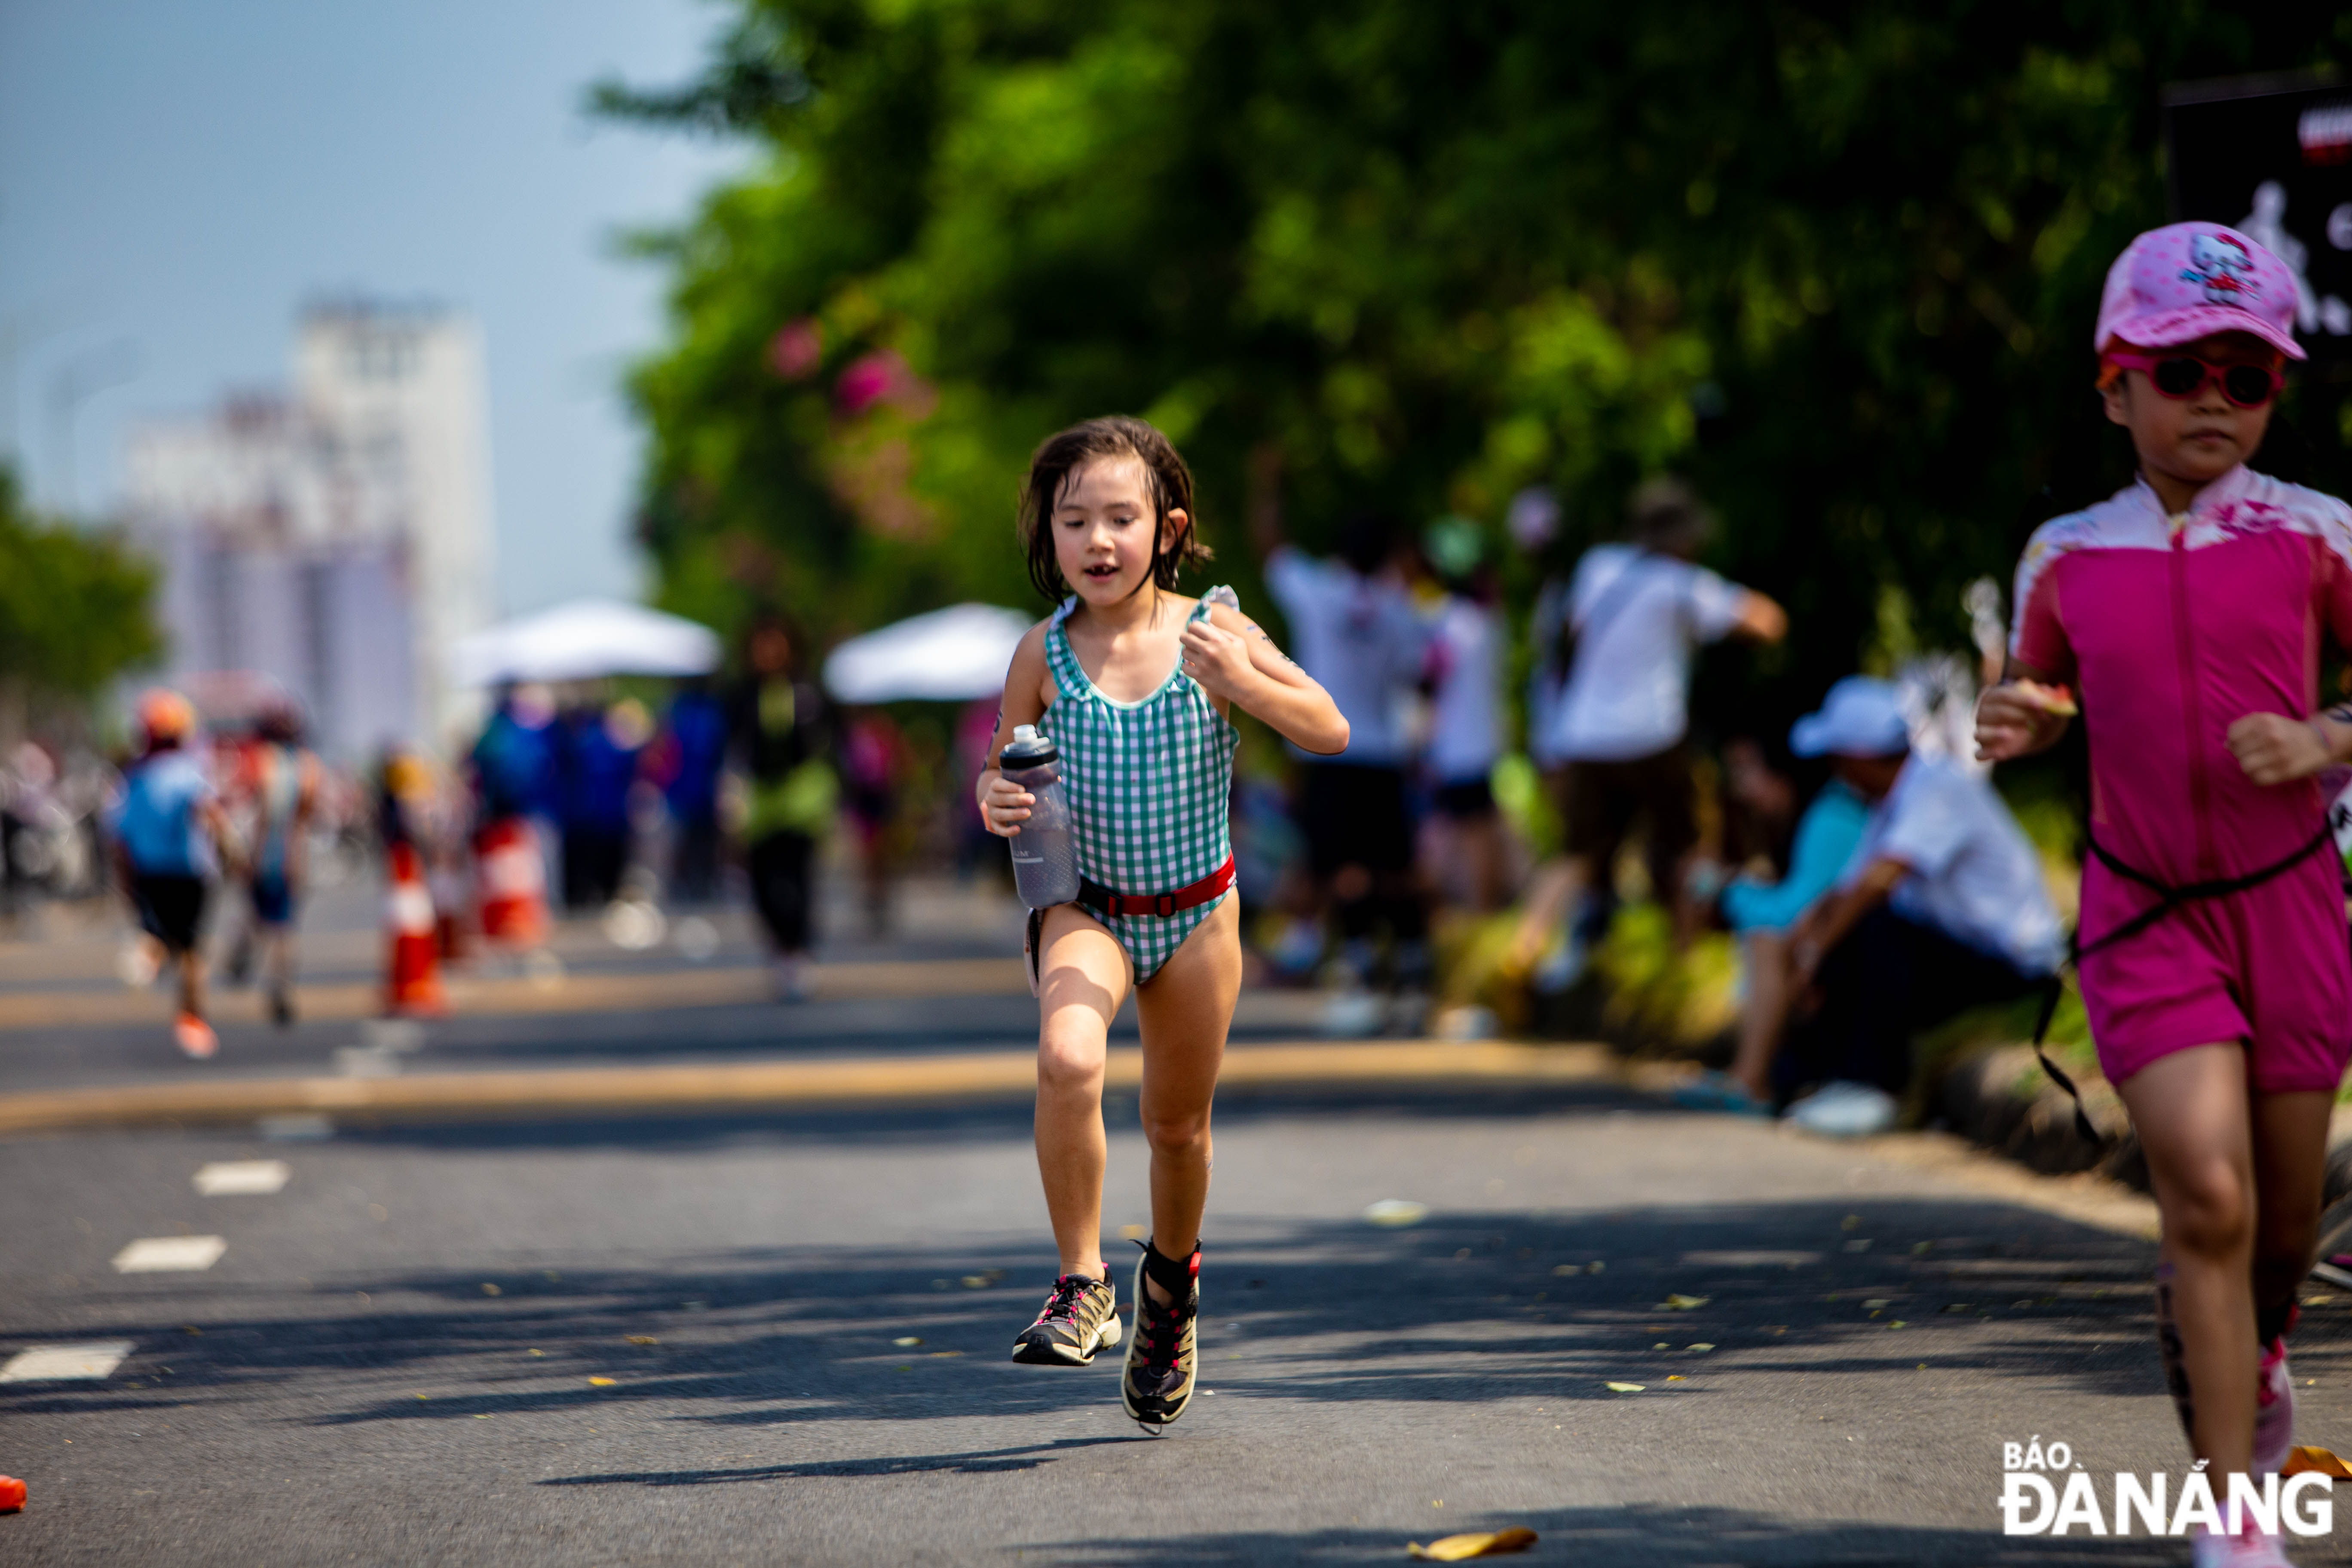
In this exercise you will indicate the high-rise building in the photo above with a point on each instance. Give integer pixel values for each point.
(335, 541)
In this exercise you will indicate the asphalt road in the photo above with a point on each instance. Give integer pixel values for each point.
(549, 1024)
(684, 1341)
(392, 1361)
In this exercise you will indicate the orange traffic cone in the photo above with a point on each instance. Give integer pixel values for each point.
(512, 879)
(413, 983)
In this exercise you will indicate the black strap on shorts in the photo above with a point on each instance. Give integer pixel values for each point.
(2169, 897)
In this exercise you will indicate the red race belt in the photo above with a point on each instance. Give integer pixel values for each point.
(1102, 900)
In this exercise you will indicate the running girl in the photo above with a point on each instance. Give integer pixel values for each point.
(1134, 681)
(2187, 611)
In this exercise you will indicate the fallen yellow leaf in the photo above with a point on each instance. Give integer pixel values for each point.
(1480, 1543)
(643, 1339)
(906, 1341)
(2301, 1459)
(1676, 1377)
(490, 1290)
(602, 1381)
(538, 1352)
(1624, 1388)
(1702, 1345)
(1684, 1303)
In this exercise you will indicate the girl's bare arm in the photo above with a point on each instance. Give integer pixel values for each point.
(1231, 655)
(1004, 806)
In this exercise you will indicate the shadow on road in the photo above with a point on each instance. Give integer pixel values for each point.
(1464, 1307)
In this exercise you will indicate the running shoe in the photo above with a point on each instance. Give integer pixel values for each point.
(1844, 1109)
(1720, 1091)
(1163, 1357)
(1081, 1317)
(2273, 1410)
(195, 1036)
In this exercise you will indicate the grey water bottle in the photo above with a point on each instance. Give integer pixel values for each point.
(1044, 860)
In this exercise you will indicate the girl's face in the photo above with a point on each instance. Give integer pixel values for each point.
(1104, 528)
(2200, 437)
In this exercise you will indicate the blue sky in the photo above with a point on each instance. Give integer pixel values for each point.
(176, 178)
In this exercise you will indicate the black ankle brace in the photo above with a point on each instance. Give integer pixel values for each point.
(2270, 1322)
(1173, 1275)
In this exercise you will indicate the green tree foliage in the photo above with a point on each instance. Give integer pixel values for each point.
(75, 607)
(1839, 259)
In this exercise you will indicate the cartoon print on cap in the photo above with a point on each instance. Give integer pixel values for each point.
(2221, 264)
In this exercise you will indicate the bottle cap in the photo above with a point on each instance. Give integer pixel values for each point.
(1025, 733)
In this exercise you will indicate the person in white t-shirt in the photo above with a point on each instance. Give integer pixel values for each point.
(1354, 629)
(1610, 714)
(1462, 850)
(1942, 908)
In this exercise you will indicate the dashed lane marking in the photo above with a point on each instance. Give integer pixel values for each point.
(235, 1178)
(169, 1254)
(62, 1364)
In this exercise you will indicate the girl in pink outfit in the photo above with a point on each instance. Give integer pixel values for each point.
(2188, 612)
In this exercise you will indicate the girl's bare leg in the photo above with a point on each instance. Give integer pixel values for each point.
(1185, 1010)
(1762, 1021)
(2191, 1111)
(2290, 1168)
(1081, 980)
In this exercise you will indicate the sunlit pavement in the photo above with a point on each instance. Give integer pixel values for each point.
(685, 1340)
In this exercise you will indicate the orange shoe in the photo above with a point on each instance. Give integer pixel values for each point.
(12, 1494)
(195, 1037)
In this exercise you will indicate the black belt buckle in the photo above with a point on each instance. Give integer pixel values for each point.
(1165, 905)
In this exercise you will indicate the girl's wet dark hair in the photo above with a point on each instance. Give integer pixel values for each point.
(1113, 436)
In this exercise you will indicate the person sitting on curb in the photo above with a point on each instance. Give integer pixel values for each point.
(1941, 909)
(1762, 914)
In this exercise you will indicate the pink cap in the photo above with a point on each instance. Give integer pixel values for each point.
(2179, 283)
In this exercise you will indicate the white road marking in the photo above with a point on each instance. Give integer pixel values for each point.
(231, 1178)
(59, 1363)
(169, 1254)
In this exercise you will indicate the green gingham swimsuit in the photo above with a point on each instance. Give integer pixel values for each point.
(1148, 785)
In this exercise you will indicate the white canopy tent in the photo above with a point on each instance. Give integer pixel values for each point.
(583, 640)
(955, 655)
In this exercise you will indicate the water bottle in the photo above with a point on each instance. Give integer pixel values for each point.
(1044, 860)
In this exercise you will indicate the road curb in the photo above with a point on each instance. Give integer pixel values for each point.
(784, 1086)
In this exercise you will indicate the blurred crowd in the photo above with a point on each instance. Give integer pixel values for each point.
(1873, 882)
(1461, 867)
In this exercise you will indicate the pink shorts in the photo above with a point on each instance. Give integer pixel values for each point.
(2270, 966)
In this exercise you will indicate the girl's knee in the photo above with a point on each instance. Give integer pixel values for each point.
(2211, 1209)
(1176, 1134)
(1069, 1058)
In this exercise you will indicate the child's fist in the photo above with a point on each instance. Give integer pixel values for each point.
(1216, 659)
(2018, 718)
(1004, 807)
(2275, 749)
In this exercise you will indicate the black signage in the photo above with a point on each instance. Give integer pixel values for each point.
(2272, 157)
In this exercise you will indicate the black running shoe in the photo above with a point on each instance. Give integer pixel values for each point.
(1080, 1317)
(1163, 1357)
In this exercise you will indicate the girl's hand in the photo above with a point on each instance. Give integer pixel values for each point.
(1004, 807)
(2014, 720)
(2275, 749)
(1218, 659)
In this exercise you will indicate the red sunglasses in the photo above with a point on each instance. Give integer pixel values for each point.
(2185, 375)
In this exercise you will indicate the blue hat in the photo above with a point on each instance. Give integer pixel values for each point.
(1861, 716)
